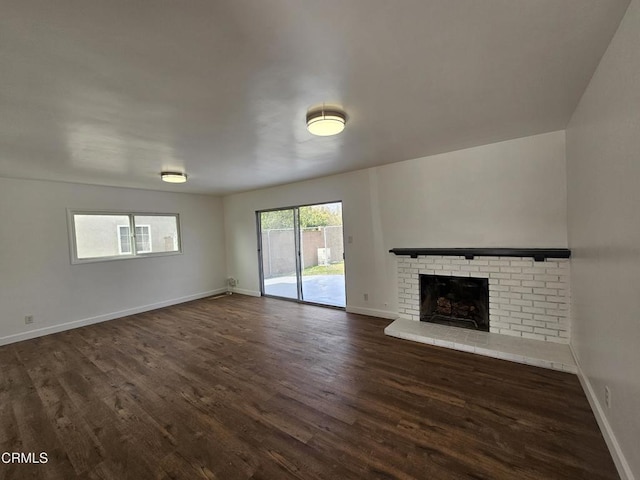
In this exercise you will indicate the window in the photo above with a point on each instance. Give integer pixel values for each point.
(107, 236)
(142, 239)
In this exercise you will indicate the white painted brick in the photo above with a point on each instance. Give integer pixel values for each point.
(500, 275)
(510, 295)
(545, 291)
(522, 290)
(545, 331)
(547, 278)
(534, 323)
(545, 304)
(521, 276)
(551, 264)
(534, 310)
(556, 271)
(551, 298)
(479, 262)
(522, 328)
(459, 262)
(498, 288)
(539, 298)
(522, 315)
(515, 307)
(511, 269)
(490, 269)
(557, 326)
(521, 263)
(500, 263)
(498, 325)
(535, 270)
(522, 303)
(512, 308)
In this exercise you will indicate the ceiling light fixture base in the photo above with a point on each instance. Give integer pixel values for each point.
(325, 122)
(173, 177)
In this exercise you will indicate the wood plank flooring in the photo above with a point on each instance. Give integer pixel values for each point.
(255, 388)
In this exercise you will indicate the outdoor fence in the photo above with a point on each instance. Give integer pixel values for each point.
(318, 246)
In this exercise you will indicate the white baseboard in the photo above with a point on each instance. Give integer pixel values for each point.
(18, 337)
(251, 293)
(372, 312)
(624, 470)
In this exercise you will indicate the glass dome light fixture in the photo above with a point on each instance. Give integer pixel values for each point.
(325, 122)
(173, 177)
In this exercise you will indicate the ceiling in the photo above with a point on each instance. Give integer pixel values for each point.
(112, 92)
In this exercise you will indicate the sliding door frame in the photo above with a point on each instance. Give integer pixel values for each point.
(298, 252)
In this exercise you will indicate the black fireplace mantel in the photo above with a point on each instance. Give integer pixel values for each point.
(538, 254)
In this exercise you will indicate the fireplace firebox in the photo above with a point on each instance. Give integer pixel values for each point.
(455, 301)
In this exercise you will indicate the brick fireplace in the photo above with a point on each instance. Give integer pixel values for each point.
(527, 298)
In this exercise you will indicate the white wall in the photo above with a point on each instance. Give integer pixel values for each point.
(37, 278)
(508, 194)
(603, 161)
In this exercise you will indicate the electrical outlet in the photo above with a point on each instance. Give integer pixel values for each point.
(607, 397)
(366, 297)
(28, 319)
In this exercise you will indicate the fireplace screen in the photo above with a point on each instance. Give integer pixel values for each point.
(455, 301)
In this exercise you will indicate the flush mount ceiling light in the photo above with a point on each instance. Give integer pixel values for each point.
(326, 121)
(173, 177)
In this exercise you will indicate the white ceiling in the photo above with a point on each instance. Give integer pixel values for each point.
(112, 92)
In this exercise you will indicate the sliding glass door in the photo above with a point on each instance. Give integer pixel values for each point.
(302, 253)
(279, 257)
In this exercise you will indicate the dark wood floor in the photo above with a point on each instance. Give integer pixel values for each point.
(253, 388)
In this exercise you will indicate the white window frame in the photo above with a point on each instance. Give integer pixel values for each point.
(124, 256)
(132, 238)
(128, 227)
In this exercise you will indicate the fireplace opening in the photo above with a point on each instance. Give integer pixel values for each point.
(455, 301)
